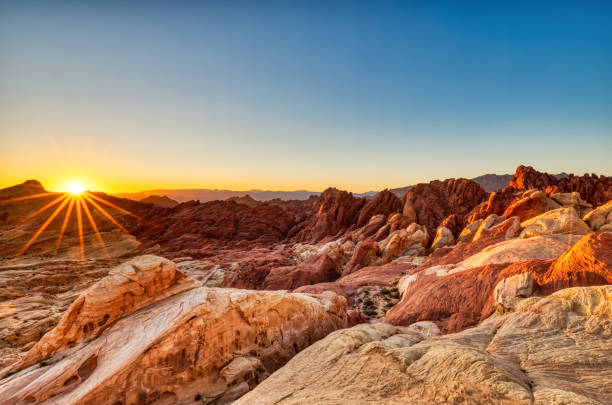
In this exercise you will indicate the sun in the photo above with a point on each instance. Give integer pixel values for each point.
(75, 188)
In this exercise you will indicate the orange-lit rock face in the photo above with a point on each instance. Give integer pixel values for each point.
(530, 204)
(168, 344)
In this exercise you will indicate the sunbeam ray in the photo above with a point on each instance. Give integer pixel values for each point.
(64, 224)
(27, 197)
(106, 214)
(41, 229)
(94, 226)
(80, 225)
(42, 209)
(110, 204)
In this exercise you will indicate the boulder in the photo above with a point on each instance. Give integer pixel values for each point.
(489, 222)
(559, 221)
(444, 237)
(452, 223)
(600, 217)
(530, 204)
(572, 200)
(509, 291)
(366, 252)
(405, 242)
(467, 234)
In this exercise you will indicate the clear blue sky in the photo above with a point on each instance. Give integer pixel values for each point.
(289, 95)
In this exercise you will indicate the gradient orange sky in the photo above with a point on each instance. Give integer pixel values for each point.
(287, 96)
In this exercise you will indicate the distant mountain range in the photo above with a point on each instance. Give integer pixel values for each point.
(204, 195)
(489, 182)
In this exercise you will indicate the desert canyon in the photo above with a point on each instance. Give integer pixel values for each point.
(447, 294)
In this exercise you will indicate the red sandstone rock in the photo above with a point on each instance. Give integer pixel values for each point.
(526, 177)
(530, 204)
(496, 204)
(459, 300)
(315, 269)
(365, 252)
(348, 286)
(503, 231)
(592, 188)
(385, 203)
(429, 204)
(452, 223)
(336, 211)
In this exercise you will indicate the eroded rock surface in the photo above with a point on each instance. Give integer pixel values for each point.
(168, 344)
(553, 350)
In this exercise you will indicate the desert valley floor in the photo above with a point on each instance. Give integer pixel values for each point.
(447, 294)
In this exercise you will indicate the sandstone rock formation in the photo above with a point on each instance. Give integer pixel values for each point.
(410, 241)
(315, 269)
(600, 219)
(526, 177)
(530, 204)
(496, 204)
(559, 221)
(594, 189)
(166, 343)
(444, 237)
(509, 291)
(572, 200)
(336, 211)
(459, 295)
(552, 350)
(384, 203)
(429, 204)
(127, 288)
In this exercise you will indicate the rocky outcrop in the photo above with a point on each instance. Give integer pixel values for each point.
(574, 201)
(349, 286)
(336, 211)
(127, 288)
(509, 292)
(315, 269)
(167, 344)
(366, 252)
(444, 237)
(559, 221)
(429, 204)
(460, 295)
(552, 350)
(384, 203)
(496, 204)
(530, 204)
(600, 219)
(526, 177)
(594, 189)
(410, 241)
